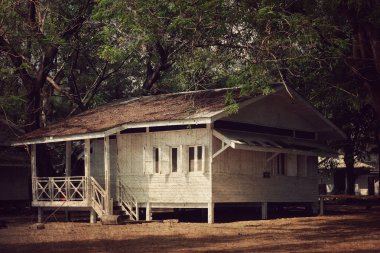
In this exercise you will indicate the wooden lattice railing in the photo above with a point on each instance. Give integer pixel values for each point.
(59, 188)
(98, 197)
(128, 201)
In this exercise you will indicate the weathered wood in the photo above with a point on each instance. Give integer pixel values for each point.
(59, 139)
(264, 210)
(148, 212)
(33, 166)
(68, 159)
(87, 166)
(111, 219)
(210, 212)
(107, 175)
(68, 169)
(321, 207)
(40, 214)
(93, 216)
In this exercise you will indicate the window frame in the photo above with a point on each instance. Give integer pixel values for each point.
(171, 159)
(198, 163)
(280, 164)
(156, 160)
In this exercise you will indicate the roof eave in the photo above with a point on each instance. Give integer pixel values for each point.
(112, 131)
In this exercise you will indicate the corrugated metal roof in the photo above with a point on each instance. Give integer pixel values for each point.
(169, 107)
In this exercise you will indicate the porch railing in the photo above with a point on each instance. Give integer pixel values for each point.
(98, 197)
(59, 188)
(128, 201)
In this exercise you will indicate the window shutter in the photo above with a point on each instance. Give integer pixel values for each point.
(205, 159)
(148, 160)
(184, 152)
(291, 165)
(165, 158)
(302, 166)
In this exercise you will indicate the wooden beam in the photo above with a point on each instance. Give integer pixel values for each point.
(107, 174)
(40, 214)
(33, 160)
(210, 212)
(264, 210)
(272, 157)
(50, 139)
(93, 216)
(148, 212)
(224, 147)
(87, 167)
(321, 207)
(33, 166)
(68, 159)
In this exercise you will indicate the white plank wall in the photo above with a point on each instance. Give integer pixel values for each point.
(238, 177)
(180, 187)
(97, 163)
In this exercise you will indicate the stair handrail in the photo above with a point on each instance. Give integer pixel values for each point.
(128, 201)
(98, 197)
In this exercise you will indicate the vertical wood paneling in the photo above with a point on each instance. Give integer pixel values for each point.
(177, 187)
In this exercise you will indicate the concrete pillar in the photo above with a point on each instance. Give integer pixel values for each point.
(93, 216)
(148, 212)
(210, 212)
(264, 210)
(40, 215)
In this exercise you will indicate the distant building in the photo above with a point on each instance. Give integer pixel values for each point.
(334, 180)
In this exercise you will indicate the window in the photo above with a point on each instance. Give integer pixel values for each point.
(156, 160)
(280, 164)
(174, 159)
(302, 166)
(196, 158)
(199, 158)
(191, 159)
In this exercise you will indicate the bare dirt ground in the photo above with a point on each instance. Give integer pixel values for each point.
(343, 229)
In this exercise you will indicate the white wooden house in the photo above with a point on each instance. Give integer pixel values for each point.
(185, 150)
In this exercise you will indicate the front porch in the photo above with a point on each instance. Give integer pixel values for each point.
(81, 193)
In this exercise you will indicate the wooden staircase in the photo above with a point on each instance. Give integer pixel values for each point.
(126, 206)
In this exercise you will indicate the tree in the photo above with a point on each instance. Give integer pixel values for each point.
(31, 34)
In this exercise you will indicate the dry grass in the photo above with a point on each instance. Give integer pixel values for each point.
(344, 230)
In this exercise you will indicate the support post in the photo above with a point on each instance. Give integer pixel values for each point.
(68, 159)
(93, 216)
(264, 210)
(68, 173)
(107, 174)
(321, 206)
(210, 212)
(87, 168)
(148, 212)
(40, 214)
(33, 166)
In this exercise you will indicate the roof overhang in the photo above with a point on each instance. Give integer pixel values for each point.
(111, 131)
(270, 143)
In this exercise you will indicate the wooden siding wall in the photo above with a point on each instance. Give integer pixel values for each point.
(97, 163)
(275, 110)
(238, 177)
(164, 187)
